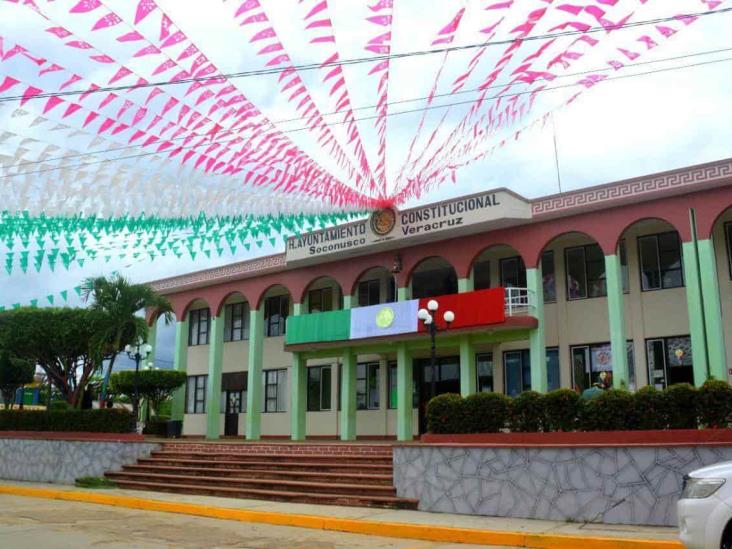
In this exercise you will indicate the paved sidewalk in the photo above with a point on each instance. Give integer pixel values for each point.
(399, 523)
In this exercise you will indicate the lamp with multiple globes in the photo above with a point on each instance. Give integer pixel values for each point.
(428, 317)
(138, 352)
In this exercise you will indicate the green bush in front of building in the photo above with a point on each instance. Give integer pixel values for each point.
(89, 421)
(486, 412)
(678, 407)
(527, 413)
(560, 410)
(715, 404)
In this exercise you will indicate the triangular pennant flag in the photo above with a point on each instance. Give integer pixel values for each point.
(64, 294)
(49, 297)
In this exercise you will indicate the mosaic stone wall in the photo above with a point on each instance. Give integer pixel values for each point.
(634, 485)
(63, 461)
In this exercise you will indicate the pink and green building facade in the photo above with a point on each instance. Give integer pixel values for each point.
(633, 278)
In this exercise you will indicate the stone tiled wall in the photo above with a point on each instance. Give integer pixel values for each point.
(63, 461)
(613, 485)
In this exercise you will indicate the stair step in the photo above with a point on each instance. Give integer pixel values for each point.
(272, 465)
(264, 484)
(350, 478)
(382, 450)
(276, 495)
(275, 457)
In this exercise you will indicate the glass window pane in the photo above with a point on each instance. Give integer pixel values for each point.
(576, 277)
(656, 357)
(552, 368)
(509, 272)
(325, 384)
(373, 386)
(649, 263)
(190, 395)
(513, 375)
(282, 390)
(484, 367)
(228, 322)
(547, 273)
(595, 268)
(625, 273)
(630, 350)
(392, 385)
(581, 367)
(482, 275)
(313, 389)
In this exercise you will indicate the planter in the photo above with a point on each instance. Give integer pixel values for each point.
(675, 437)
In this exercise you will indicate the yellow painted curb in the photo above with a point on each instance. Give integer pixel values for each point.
(353, 526)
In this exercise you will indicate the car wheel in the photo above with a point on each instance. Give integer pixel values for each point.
(727, 537)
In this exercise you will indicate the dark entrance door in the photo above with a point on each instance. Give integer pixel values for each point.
(233, 407)
(447, 380)
(234, 390)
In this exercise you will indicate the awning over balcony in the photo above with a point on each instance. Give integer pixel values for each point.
(472, 310)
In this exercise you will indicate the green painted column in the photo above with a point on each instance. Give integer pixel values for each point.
(466, 284)
(537, 345)
(180, 364)
(616, 321)
(213, 384)
(297, 309)
(404, 294)
(404, 393)
(468, 377)
(298, 397)
(695, 307)
(348, 396)
(254, 374)
(347, 301)
(711, 302)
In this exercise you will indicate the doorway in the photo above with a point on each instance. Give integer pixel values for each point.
(233, 401)
(447, 380)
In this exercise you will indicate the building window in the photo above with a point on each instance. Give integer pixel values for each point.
(548, 278)
(236, 322)
(392, 382)
(589, 361)
(319, 387)
(585, 272)
(482, 275)
(670, 361)
(434, 282)
(320, 300)
(484, 371)
(552, 368)
(196, 394)
(517, 371)
(513, 272)
(660, 261)
(233, 402)
(276, 309)
(367, 386)
(275, 390)
(369, 293)
(728, 235)
(198, 321)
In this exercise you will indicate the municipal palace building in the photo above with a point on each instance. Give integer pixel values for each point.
(632, 278)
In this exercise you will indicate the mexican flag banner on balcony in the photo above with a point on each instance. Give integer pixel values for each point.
(472, 309)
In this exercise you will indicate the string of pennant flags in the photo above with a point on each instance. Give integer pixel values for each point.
(52, 299)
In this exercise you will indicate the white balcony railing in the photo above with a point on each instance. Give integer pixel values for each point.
(519, 302)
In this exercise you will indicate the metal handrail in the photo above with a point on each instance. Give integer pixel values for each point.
(519, 301)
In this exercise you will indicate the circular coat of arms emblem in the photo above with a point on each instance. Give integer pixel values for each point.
(383, 221)
(385, 317)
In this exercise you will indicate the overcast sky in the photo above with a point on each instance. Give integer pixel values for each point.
(616, 130)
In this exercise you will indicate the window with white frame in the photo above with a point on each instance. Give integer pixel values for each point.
(198, 323)
(276, 310)
(585, 272)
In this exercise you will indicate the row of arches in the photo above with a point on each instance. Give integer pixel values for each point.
(458, 258)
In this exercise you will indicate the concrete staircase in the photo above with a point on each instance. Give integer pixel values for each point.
(336, 474)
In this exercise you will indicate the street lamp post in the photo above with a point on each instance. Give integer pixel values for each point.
(137, 352)
(428, 316)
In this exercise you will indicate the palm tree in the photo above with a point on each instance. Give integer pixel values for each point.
(120, 300)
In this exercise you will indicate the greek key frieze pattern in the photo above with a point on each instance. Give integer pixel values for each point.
(634, 187)
(224, 272)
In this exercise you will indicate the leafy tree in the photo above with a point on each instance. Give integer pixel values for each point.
(154, 385)
(59, 340)
(14, 373)
(120, 300)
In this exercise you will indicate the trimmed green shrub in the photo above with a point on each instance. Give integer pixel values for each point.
(649, 409)
(681, 404)
(446, 414)
(527, 412)
(486, 412)
(91, 421)
(94, 482)
(560, 408)
(58, 405)
(715, 404)
(610, 411)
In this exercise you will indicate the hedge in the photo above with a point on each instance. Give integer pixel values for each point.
(90, 421)
(678, 407)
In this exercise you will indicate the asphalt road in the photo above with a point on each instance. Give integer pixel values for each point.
(34, 523)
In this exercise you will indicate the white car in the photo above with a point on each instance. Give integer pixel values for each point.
(705, 508)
